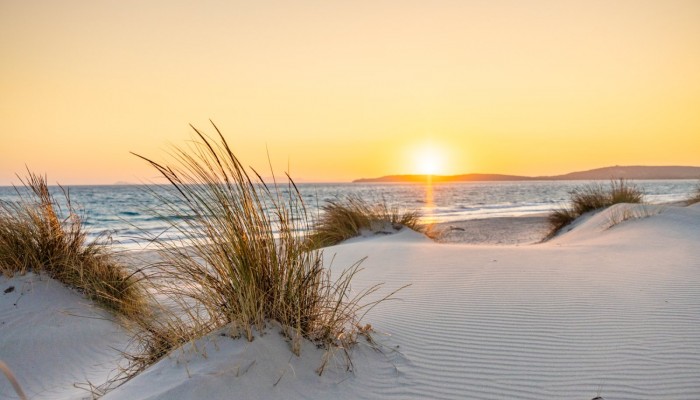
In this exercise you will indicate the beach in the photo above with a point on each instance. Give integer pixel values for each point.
(337, 200)
(601, 310)
(341, 200)
(125, 211)
(498, 231)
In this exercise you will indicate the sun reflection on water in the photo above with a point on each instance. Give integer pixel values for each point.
(429, 208)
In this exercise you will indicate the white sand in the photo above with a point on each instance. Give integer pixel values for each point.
(609, 311)
(54, 340)
(501, 230)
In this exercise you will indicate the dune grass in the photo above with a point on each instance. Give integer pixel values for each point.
(244, 261)
(593, 197)
(36, 236)
(622, 213)
(344, 218)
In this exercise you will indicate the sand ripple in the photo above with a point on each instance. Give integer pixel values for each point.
(548, 321)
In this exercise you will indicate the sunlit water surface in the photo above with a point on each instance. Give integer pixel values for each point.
(126, 212)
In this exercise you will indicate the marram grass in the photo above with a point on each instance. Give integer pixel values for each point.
(244, 262)
(36, 236)
(344, 218)
(593, 197)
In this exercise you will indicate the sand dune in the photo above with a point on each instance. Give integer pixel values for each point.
(54, 340)
(605, 309)
(617, 314)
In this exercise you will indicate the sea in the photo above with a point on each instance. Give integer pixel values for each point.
(125, 213)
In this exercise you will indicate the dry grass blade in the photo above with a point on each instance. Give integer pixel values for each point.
(623, 192)
(36, 234)
(593, 197)
(13, 381)
(244, 260)
(344, 218)
(620, 214)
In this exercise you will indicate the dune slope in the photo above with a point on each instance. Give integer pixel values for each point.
(55, 341)
(600, 310)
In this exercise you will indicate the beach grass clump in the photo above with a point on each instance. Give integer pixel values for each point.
(244, 263)
(622, 191)
(345, 218)
(36, 235)
(560, 218)
(593, 197)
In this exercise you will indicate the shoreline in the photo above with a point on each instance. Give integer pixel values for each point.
(520, 230)
(507, 230)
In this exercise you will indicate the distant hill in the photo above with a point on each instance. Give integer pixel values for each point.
(626, 172)
(634, 172)
(446, 178)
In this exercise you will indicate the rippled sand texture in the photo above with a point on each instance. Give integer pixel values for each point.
(55, 341)
(615, 312)
(609, 311)
(606, 309)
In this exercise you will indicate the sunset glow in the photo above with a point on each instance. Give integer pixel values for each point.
(429, 165)
(340, 90)
(430, 161)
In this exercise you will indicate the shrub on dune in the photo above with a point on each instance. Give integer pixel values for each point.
(344, 218)
(245, 261)
(559, 218)
(591, 198)
(36, 236)
(623, 192)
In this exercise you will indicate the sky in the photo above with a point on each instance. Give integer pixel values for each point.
(339, 90)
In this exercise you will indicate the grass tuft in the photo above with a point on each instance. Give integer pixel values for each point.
(344, 218)
(244, 261)
(35, 235)
(560, 218)
(622, 191)
(622, 213)
(591, 198)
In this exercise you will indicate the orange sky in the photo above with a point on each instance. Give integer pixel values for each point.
(342, 90)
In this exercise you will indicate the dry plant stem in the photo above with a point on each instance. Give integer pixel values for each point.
(593, 197)
(617, 217)
(244, 259)
(37, 235)
(344, 218)
(13, 381)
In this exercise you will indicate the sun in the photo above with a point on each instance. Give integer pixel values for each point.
(429, 161)
(427, 157)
